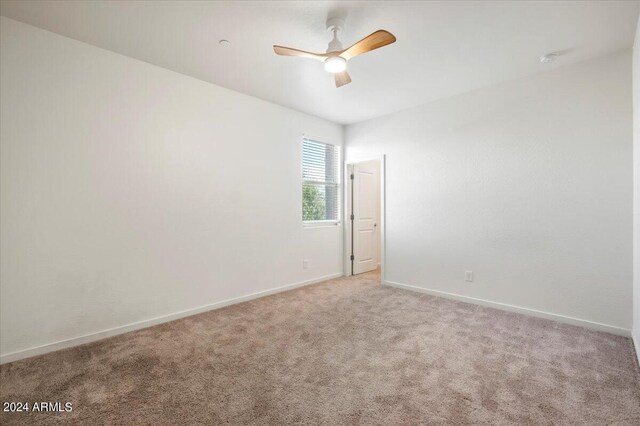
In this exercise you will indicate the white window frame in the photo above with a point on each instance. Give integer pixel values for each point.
(322, 223)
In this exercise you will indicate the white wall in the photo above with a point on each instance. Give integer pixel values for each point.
(528, 184)
(636, 190)
(129, 192)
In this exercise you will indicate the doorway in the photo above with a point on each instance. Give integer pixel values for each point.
(364, 230)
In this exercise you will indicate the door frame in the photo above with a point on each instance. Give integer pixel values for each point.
(348, 167)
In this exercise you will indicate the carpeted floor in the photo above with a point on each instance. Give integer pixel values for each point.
(347, 351)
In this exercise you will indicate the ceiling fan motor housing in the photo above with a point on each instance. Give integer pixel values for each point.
(335, 26)
(334, 45)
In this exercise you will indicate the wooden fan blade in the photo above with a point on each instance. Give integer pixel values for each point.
(342, 78)
(289, 51)
(371, 42)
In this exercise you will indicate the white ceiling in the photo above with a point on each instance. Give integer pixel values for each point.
(443, 48)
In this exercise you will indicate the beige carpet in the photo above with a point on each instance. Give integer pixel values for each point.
(347, 351)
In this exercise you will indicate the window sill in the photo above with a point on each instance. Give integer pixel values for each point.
(320, 224)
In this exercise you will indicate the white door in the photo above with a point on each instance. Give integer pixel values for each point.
(365, 192)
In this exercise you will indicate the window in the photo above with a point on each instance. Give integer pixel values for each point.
(320, 182)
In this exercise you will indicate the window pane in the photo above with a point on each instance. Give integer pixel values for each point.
(320, 161)
(319, 202)
(321, 177)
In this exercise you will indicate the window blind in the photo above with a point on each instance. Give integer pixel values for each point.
(320, 181)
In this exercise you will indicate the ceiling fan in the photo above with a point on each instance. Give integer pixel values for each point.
(335, 60)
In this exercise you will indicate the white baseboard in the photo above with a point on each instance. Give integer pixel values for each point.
(511, 308)
(92, 337)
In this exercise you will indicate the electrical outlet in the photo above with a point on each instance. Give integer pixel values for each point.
(305, 263)
(468, 276)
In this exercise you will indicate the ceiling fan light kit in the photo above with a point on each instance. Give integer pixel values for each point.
(335, 64)
(335, 59)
